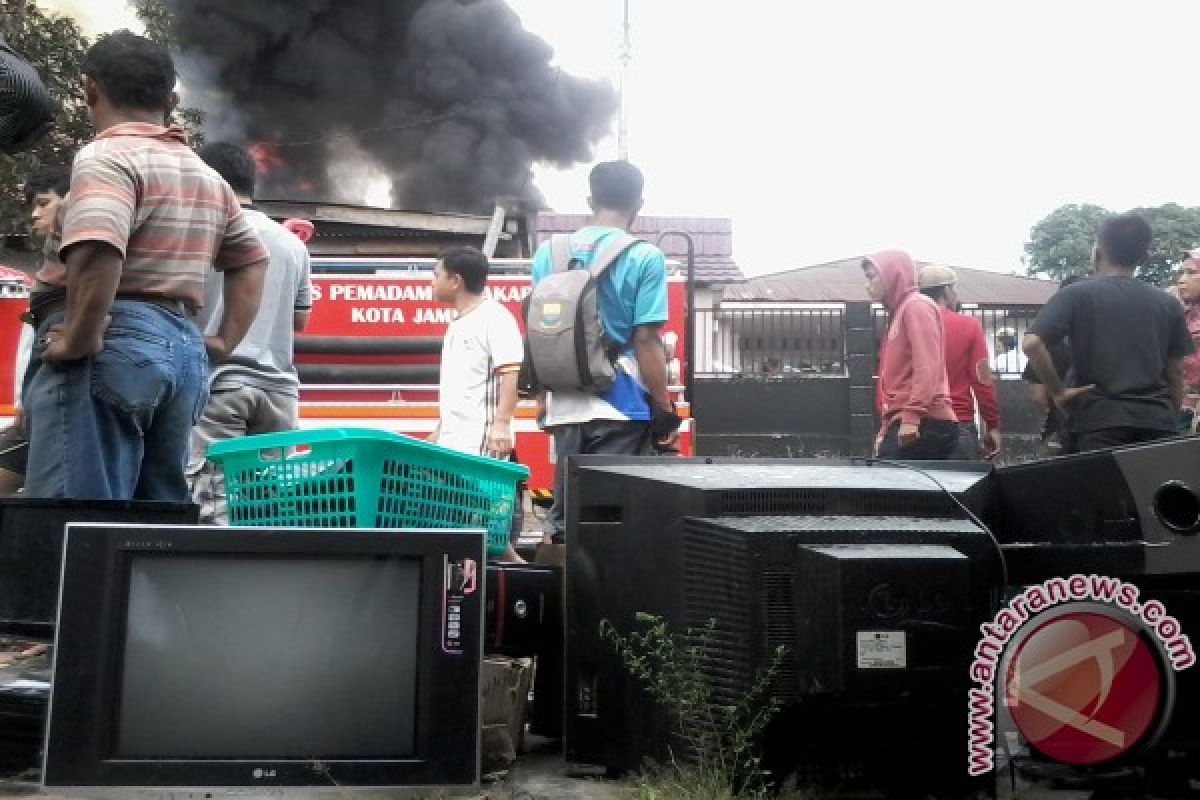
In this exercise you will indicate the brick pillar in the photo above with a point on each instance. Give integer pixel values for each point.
(861, 361)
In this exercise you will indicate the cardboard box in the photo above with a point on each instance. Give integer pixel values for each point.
(505, 697)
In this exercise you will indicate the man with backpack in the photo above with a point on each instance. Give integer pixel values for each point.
(598, 302)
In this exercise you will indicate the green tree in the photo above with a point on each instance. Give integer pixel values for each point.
(157, 20)
(55, 46)
(1060, 245)
(1176, 230)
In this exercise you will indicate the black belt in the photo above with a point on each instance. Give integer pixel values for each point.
(42, 308)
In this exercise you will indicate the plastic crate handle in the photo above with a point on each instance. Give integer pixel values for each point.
(301, 450)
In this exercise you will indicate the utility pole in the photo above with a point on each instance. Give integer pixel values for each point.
(625, 56)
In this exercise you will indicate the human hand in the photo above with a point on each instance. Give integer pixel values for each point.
(908, 433)
(663, 420)
(218, 349)
(1067, 397)
(992, 444)
(668, 444)
(500, 440)
(64, 344)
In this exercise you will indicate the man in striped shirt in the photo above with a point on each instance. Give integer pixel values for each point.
(123, 367)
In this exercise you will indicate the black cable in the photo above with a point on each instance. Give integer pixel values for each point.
(970, 514)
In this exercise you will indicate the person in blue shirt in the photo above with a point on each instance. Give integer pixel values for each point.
(636, 413)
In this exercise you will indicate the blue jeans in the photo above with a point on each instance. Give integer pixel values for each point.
(598, 437)
(117, 425)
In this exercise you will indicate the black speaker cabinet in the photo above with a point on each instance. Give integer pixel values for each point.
(524, 618)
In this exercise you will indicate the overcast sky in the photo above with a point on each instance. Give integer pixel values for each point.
(830, 129)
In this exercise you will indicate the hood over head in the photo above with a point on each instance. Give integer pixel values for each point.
(899, 274)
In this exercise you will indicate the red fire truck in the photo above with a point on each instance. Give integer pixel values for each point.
(369, 355)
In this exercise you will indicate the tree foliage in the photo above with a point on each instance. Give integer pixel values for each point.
(1060, 244)
(55, 46)
(1176, 230)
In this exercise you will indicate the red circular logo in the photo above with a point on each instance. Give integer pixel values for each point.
(1083, 687)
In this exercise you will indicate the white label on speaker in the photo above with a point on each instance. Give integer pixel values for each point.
(881, 650)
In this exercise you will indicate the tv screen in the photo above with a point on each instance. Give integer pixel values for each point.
(269, 657)
(210, 657)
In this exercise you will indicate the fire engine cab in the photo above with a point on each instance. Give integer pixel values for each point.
(369, 355)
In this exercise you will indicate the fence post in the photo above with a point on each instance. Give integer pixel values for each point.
(860, 366)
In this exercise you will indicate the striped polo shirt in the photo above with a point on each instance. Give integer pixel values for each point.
(139, 188)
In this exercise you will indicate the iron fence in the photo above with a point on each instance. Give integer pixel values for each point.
(770, 343)
(1003, 329)
(788, 343)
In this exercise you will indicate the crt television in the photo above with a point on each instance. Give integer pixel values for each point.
(31, 536)
(255, 657)
(873, 579)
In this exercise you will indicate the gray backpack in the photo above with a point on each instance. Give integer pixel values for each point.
(566, 347)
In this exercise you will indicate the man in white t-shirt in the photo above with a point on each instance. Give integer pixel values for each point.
(1009, 361)
(481, 356)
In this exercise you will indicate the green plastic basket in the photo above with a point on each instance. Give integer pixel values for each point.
(365, 478)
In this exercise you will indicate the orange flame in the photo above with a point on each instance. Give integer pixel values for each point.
(266, 157)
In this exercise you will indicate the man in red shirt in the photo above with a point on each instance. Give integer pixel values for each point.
(967, 367)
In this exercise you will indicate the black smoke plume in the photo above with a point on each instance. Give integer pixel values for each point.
(452, 99)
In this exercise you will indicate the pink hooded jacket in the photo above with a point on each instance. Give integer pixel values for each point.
(912, 363)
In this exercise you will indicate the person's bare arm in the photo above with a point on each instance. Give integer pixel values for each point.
(1043, 366)
(1175, 382)
(500, 436)
(93, 271)
(242, 294)
(1039, 396)
(652, 364)
(652, 367)
(300, 320)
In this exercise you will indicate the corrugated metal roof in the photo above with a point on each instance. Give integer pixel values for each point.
(712, 237)
(377, 217)
(843, 282)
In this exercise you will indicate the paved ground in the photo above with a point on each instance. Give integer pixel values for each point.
(543, 775)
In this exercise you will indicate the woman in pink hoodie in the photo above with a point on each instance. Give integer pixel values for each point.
(918, 418)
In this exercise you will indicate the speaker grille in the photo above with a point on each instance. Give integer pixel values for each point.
(777, 604)
(716, 590)
(782, 502)
(774, 501)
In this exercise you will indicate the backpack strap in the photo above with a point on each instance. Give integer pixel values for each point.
(614, 248)
(560, 252)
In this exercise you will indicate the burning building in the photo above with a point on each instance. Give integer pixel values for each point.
(445, 103)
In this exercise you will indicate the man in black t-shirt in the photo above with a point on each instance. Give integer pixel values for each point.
(1127, 341)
